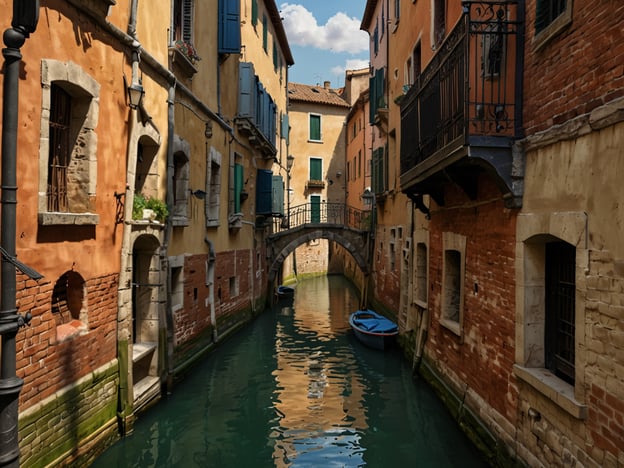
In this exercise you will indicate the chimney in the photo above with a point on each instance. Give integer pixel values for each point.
(326, 84)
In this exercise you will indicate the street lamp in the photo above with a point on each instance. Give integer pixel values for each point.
(135, 95)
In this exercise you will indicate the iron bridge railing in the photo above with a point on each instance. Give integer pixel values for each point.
(324, 213)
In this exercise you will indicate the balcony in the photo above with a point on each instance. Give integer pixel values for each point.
(462, 116)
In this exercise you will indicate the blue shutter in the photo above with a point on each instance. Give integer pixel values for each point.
(264, 192)
(247, 91)
(285, 131)
(229, 27)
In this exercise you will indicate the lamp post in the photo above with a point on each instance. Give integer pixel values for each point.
(25, 18)
(290, 160)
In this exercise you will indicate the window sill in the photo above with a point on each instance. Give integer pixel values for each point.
(451, 325)
(556, 390)
(179, 221)
(183, 63)
(314, 141)
(64, 219)
(70, 330)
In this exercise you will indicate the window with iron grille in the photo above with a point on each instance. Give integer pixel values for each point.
(60, 148)
(546, 11)
(560, 309)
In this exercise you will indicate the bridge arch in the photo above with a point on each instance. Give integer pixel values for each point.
(283, 244)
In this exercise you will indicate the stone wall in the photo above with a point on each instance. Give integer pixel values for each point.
(73, 424)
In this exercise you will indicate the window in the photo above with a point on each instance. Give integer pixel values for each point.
(315, 127)
(360, 163)
(234, 289)
(315, 208)
(176, 265)
(453, 271)
(275, 55)
(551, 17)
(376, 40)
(68, 145)
(213, 187)
(316, 169)
(377, 86)
(379, 170)
(560, 306)
(183, 21)
(60, 117)
(547, 11)
(229, 40)
(181, 170)
(552, 306)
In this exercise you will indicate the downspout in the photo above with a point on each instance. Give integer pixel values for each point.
(24, 22)
(168, 229)
(124, 356)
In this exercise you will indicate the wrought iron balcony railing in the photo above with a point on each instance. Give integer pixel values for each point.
(469, 89)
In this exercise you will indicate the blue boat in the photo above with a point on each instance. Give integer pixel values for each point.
(285, 292)
(373, 329)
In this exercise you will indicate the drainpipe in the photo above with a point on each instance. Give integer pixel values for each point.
(25, 18)
(168, 229)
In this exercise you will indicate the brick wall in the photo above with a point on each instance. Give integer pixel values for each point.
(47, 365)
(580, 69)
(70, 386)
(487, 341)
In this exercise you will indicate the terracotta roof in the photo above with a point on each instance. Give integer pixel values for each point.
(316, 94)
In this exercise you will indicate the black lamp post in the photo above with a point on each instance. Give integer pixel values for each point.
(25, 18)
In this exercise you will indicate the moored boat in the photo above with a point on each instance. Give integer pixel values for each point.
(373, 329)
(285, 292)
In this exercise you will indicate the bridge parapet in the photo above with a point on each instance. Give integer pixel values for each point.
(336, 222)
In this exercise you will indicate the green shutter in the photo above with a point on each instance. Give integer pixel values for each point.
(316, 169)
(315, 209)
(315, 127)
(238, 187)
(254, 12)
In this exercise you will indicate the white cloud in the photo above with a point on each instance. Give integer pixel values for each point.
(351, 64)
(340, 34)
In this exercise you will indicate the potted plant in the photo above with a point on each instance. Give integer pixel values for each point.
(187, 49)
(150, 208)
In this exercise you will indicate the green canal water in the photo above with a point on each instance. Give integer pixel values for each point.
(296, 389)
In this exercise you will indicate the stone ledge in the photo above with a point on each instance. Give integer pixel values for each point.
(78, 219)
(553, 388)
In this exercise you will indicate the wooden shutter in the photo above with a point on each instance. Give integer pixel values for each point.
(238, 187)
(187, 21)
(264, 192)
(229, 27)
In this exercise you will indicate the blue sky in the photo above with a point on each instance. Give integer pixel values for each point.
(325, 39)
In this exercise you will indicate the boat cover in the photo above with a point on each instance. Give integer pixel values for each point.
(373, 322)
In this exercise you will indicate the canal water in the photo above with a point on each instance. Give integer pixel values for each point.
(296, 389)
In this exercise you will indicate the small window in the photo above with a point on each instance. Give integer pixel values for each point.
(439, 21)
(234, 290)
(453, 271)
(213, 188)
(180, 184)
(315, 127)
(551, 17)
(560, 309)
(177, 288)
(547, 11)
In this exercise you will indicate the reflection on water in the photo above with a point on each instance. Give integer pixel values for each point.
(295, 389)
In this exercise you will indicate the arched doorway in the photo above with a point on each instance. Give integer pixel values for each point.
(147, 285)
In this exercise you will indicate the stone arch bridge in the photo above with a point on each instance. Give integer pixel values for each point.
(338, 222)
